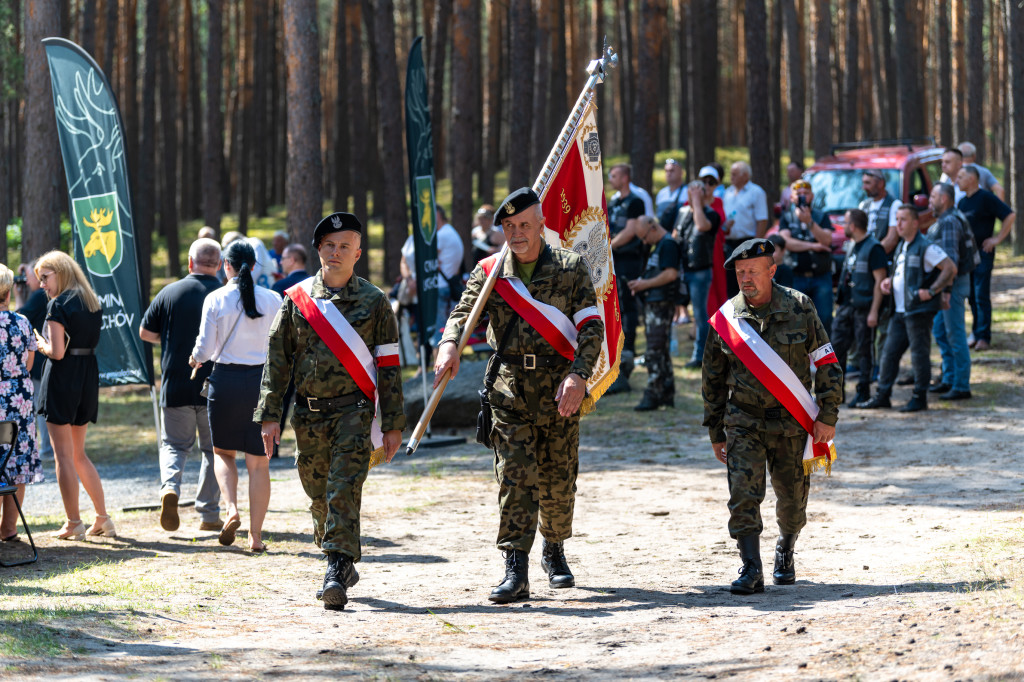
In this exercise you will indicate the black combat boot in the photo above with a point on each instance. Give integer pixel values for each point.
(620, 385)
(351, 577)
(552, 560)
(335, 593)
(516, 584)
(918, 402)
(647, 403)
(751, 578)
(785, 567)
(862, 396)
(880, 400)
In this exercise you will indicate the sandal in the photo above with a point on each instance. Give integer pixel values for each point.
(227, 533)
(106, 528)
(71, 530)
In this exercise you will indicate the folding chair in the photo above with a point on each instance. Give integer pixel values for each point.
(8, 439)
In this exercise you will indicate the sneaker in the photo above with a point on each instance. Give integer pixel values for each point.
(211, 525)
(982, 344)
(169, 510)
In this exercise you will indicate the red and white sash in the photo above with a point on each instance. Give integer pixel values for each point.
(554, 325)
(779, 378)
(346, 344)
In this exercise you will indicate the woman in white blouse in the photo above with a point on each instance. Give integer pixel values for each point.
(234, 333)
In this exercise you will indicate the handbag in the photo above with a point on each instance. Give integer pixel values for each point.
(484, 420)
(205, 390)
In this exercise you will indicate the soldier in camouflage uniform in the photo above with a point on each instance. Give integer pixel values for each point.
(658, 285)
(750, 429)
(536, 395)
(333, 417)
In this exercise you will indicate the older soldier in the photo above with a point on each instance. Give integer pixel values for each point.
(544, 312)
(750, 426)
(337, 332)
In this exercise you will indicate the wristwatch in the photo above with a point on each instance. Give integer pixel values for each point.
(931, 292)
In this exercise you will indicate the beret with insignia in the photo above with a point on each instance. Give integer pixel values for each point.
(752, 248)
(514, 203)
(336, 222)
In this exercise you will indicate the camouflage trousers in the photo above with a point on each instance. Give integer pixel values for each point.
(536, 463)
(752, 446)
(333, 461)
(661, 383)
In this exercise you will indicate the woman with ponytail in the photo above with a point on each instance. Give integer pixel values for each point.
(233, 333)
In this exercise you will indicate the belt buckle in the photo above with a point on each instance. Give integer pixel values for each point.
(529, 361)
(309, 404)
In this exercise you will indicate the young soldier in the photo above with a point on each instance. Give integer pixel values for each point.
(749, 407)
(337, 333)
(547, 329)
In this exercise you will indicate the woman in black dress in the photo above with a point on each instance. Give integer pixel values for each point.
(69, 389)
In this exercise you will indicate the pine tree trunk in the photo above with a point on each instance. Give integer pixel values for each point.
(627, 77)
(213, 149)
(436, 66)
(262, 70)
(303, 189)
(493, 106)
(758, 114)
(775, 100)
(110, 39)
(911, 108)
(465, 83)
(851, 74)
(959, 33)
(339, 126)
(646, 97)
(87, 26)
(795, 79)
(521, 25)
(821, 96)
(168, 205)
(145, 211)
(975, 128)
(1014, 26)
(244, 139)
(389, 99)
(129, 101)
(539, 143)
(945, 108)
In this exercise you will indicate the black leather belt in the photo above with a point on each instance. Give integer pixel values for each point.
(321, 404)
(760, 412)
(81, 351)
(531, 361)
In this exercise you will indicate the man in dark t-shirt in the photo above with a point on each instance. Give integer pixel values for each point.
(659, 286)
(628, 257)
(696, 228)
(982, 208)
(172, 320)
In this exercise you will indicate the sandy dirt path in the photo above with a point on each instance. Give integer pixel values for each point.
(911, 567)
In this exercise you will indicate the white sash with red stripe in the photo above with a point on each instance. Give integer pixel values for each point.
(779, 378)
(346, 344)
(554, 325)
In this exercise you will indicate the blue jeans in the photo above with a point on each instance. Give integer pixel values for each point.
(951, 337)
(981, 300)
(819, 289)
(699, 284)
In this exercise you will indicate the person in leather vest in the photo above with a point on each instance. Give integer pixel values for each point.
(922, 272)
(808, 235)
(859, 299)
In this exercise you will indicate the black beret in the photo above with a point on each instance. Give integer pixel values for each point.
(336, 222)
(517, 202)
(752, 248)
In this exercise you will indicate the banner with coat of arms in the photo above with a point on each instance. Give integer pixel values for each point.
(576, 218)
(92, 146)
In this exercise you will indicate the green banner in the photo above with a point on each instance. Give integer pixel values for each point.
(420, 146)
(92, 145)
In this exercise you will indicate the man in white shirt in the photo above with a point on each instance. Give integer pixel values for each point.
(952, 162)
(746, 214)
(450, 251)
(923, 271)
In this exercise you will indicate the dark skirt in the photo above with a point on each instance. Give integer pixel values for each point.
(234, 392)
(70, 390)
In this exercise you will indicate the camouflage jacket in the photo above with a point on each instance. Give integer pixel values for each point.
(295, 347)
(792, 328)
(561, 279)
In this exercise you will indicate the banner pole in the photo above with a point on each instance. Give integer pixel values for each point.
(598, 71)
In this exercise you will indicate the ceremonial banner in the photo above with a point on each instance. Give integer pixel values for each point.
(420, 147)
(576, 218)
(92, 146)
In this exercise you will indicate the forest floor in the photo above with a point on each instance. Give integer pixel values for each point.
(911, 566)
